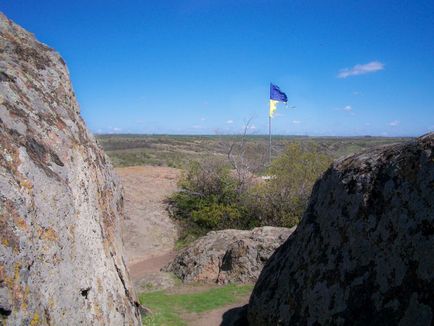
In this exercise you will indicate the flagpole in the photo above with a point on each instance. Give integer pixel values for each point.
(269, 133)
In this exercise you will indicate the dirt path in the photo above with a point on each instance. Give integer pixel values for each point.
(148, 231)
(140, 269)
(216, 317)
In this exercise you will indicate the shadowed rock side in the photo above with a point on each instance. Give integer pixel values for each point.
(61, 260)
(363, 252)
(228, 256)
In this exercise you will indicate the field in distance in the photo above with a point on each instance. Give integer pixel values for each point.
(178, 150)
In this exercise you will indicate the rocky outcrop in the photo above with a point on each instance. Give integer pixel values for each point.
(363, 252)
(61, 260)
(228, 256)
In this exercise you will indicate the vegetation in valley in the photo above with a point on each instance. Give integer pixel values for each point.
(214, 195)
(223, 182)
(207, 200)
(168, 308)
(282, 199)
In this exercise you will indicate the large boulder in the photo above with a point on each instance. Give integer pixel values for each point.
(228, 256)
(61, 260)
(363, 253)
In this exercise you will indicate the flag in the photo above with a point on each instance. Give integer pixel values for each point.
(276, 96)
(273, 107)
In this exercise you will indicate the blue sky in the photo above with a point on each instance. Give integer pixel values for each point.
(204, 67)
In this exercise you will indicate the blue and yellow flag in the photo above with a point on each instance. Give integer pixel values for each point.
(276, 96)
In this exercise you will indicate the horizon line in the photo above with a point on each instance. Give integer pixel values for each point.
(255, 135)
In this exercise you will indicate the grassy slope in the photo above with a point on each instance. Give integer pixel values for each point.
(167, 308)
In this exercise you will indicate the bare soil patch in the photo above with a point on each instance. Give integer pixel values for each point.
(151, 265)
(148, 231)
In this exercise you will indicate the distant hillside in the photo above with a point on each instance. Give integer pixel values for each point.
(178, 150)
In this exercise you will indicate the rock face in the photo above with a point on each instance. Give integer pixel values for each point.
(61, 260)
(363, 252)
(228, 256)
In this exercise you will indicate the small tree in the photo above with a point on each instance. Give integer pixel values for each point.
(245, 161)
(282, 200)
(209, 178)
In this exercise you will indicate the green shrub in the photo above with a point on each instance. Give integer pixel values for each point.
(210, 180)
(207, 199)
(210, 196)
(217, 216)
(282, 200)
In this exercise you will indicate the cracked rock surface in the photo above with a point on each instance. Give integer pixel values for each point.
(61, 256)
(363, 253)
(228, 256)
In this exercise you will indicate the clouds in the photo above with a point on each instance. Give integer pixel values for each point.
(361, 69)
(347, 108)
(394, 123)
(230, 122)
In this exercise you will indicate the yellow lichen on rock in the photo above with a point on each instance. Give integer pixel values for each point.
(26, 184)
(21, 223)
(35, 320)
(49, 234)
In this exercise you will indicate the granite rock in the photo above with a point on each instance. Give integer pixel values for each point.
(61, 256)
(228, 256)
(363, 251)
